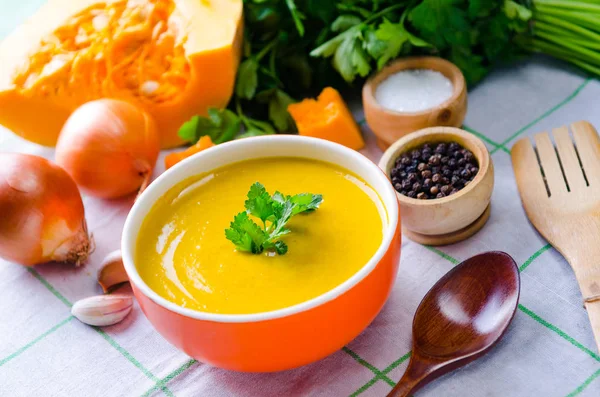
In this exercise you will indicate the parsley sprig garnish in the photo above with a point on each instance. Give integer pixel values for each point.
(274, 213)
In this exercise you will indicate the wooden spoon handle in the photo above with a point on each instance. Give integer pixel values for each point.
(415, 374)
(584, 262)
(593, 309)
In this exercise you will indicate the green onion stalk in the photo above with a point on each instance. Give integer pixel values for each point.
(567, 30)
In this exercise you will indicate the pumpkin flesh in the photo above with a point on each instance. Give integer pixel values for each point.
(173, 58)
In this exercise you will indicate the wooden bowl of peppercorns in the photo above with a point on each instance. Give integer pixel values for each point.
(443, 177)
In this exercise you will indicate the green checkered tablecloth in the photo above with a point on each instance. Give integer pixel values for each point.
(549, 349)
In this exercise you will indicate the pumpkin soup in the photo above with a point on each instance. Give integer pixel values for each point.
(182, 252)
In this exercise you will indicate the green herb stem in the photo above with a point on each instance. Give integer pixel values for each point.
(568, 55)
(265, 50)
(543, 29)
(585, 20)
(567, 25)
(569, 5)
(564, 42)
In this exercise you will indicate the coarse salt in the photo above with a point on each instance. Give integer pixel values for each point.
(413, 90)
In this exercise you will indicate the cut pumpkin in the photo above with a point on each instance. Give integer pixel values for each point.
(173, 158)
(327, 117)
(173, 58)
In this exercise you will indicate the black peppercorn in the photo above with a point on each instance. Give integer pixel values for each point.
(434, 160)
(440, 148)
(434, 170)
(427, 184)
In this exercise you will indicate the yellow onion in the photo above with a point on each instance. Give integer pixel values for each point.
(109, 147)
(41, 213)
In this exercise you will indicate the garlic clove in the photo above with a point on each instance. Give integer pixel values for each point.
(112, 272)
(102, 310)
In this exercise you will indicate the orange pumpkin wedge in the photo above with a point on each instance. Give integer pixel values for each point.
(327, 117)
(172, 58)
(173, 158)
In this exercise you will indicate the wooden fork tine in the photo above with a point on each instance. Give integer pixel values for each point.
(568, 158)
(550, 164)
(527, 171)
(588, 146)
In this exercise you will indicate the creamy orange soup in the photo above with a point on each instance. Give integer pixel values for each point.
(183, 255)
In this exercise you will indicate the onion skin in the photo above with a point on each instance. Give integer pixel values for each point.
(42, 213)
(109, 147)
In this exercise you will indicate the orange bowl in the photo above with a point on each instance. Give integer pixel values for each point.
(289, 337)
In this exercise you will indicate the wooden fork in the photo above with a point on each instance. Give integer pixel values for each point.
(559, 185)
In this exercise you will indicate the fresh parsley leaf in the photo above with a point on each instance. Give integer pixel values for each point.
(221, 125)
(345, 22)
(305, 202)
(395, 36)
(188, 131)
(344, 60)
(259, 203)
(373, 45)
(278, 102)
(442, 22)
(247, 79)
(274, 212)
(329, 48)
(245, 234)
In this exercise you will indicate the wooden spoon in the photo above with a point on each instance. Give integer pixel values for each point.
(465, 313)
(559, 184)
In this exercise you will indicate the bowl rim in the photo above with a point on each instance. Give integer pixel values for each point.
(457, 78)
(167, 180)
(390, 155)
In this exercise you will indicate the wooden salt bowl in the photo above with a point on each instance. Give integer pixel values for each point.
(390, 125)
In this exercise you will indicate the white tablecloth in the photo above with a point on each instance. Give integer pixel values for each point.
(549, 349)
